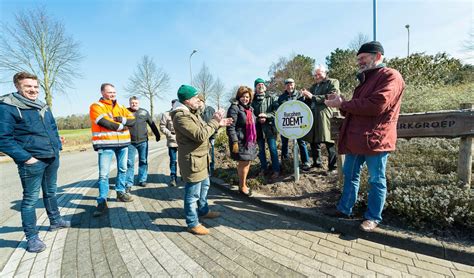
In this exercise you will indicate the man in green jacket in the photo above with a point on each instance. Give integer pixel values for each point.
(321, 131)
(192, 136)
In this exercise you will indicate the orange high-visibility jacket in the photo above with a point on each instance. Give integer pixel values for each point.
(109, 124)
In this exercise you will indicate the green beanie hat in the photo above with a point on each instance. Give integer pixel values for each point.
(186, 92)
(258, 80)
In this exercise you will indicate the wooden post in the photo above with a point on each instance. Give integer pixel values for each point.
(465, 155)
(340, 164)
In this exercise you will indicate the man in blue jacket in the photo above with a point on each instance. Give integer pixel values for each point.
(29, 135)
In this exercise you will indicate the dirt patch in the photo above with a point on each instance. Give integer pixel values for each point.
(315, 189)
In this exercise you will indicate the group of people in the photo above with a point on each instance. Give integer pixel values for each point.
(253, 125)
(367, 135)
(29, 135)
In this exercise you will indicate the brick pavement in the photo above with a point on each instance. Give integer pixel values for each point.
(147, 238)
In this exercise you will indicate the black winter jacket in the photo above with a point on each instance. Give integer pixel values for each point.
(139, 131)
(237, 133)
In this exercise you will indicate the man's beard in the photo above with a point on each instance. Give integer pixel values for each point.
(369, 66)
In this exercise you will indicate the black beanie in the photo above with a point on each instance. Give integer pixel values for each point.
(371, 47)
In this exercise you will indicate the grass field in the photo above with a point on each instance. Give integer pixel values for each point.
(76, 139)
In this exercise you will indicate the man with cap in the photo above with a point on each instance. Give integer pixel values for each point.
(321, 130)
(264, 107)
(369, 131)
(192, 136)
(166, 126)
(291, 93)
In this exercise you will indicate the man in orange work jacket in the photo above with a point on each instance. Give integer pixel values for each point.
(110, 136)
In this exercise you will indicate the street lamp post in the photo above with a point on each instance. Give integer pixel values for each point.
(190, 67)
(408, 46)
(374, 6)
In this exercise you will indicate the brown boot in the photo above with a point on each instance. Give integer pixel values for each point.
(211, 215)
(199, 230)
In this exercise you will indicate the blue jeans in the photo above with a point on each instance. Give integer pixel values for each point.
(105, 159)
(172, 152)
(301, 145)
(378, 184)
(271, 141)
(142, 149)
(195, 201)
(44, 174)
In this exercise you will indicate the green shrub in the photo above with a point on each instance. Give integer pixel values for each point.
(440, 205)
(422, 99)
(423, 187)
(222, 142)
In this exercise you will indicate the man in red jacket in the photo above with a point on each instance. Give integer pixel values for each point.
(369, 131)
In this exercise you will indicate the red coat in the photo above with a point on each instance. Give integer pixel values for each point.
(370, 124)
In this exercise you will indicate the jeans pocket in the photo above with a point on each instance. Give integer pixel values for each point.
(28, 170)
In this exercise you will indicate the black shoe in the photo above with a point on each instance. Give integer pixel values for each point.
(101, 209)
(128, 189)
(305, 167)
(142, 184)
(337, 214)
(124, 197)
(332, 170)
(317, 165)
(172, 183)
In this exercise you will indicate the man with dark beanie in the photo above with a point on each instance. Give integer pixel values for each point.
(369, 131)
(192, 135)
(264, 107)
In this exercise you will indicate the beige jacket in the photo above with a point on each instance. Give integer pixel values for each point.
(166, 127)
(193, 135)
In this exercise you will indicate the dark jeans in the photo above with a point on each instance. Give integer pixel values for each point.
(42, 174)
(172, 151)
(316, 154)
(142, 149)
(271, 141)
(301, 145)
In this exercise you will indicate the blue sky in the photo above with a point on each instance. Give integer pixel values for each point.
(238, 40)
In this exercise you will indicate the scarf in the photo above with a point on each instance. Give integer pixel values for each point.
(21, 102)
(250, 130)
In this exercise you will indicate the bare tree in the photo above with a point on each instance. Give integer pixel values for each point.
(204, 81)
(38, 44)
(218, 94)
(468, 45)
(358, 41)
(148, 81)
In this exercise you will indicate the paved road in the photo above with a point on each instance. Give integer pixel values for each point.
(74, 167)
(147, 238)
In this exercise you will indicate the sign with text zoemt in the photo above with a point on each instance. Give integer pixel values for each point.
(294, 119)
